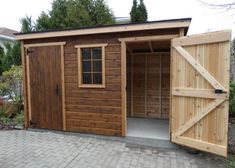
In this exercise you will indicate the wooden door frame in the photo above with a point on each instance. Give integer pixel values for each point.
(26, 79)
(123, 42)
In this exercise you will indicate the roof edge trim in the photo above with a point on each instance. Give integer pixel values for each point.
(175, 23)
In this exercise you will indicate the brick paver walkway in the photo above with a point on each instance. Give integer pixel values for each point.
(29, 149)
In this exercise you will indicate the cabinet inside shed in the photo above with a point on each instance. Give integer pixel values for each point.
(148, 79)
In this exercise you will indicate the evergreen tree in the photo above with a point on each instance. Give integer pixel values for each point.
(11, 56)
(134, 12)
(143, 14)
(101, 14)
(58, 14)
(71, 14)
(43, 22)
(138, 12)
(26, 24)
(1, 59)
(232, 60)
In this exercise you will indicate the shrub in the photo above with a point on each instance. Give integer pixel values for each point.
(4, 119)
(232, 99)
(19, 119)
(11, 112)
(11, 84)
(231, 161)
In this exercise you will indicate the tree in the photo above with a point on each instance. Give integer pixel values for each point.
(43, 22)
(26, 24)
(1, 59)
(101, 14)
(67, 14)
(138, 12)
(134, 12)
(11, 56)
(232, 60)
(58, 14)
(143, 14)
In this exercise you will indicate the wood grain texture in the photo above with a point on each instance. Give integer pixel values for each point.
(25, 94)
(97, 102)
(199, 116)
(148, 85)
(45, 78)
(109, 29)
(63, 86)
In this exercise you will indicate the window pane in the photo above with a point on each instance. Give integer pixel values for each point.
(96, 53)
(86, 53)
(86, 78)
(86, 66)
(97, 66)
(97, 78)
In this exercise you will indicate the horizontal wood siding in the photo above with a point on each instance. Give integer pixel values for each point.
(94, 110)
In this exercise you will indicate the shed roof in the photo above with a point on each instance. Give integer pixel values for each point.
(152, 25)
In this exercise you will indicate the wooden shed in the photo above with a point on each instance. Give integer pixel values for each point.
(92, 79)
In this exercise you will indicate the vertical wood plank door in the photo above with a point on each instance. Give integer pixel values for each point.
(45, 87)
(200, 86)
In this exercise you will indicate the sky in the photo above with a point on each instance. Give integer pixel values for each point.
(204, 18)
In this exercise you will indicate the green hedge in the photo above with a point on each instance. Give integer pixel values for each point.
(232, 99)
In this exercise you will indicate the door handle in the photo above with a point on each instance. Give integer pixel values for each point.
(57, 90)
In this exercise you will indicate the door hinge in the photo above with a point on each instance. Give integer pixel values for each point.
(32, 123)
(29, 51)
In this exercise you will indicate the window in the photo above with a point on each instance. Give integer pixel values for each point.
(91, 59)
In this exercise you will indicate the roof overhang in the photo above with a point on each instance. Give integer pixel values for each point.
(154, 25)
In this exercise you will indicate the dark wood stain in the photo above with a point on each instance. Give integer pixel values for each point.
(45, 76)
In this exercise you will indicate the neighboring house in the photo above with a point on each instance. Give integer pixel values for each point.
(122, 20)
(6, 36)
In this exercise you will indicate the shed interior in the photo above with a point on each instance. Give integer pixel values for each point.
(148, 89)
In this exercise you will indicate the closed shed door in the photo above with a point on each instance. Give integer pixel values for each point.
(200, 85)
(45, 87)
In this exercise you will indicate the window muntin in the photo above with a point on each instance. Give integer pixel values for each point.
(91, 65)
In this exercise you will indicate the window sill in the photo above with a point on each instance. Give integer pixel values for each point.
(91, 86)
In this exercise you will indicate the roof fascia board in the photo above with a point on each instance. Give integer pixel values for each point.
(109, 29)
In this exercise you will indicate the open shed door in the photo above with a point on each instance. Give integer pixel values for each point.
(200, 86)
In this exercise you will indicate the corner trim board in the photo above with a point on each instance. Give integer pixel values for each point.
(123, 87)
(26, 112)
(63, 87)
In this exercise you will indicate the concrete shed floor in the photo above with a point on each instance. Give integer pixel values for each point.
(148, 128)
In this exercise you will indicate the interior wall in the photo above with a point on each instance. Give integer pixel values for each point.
(148, 85)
